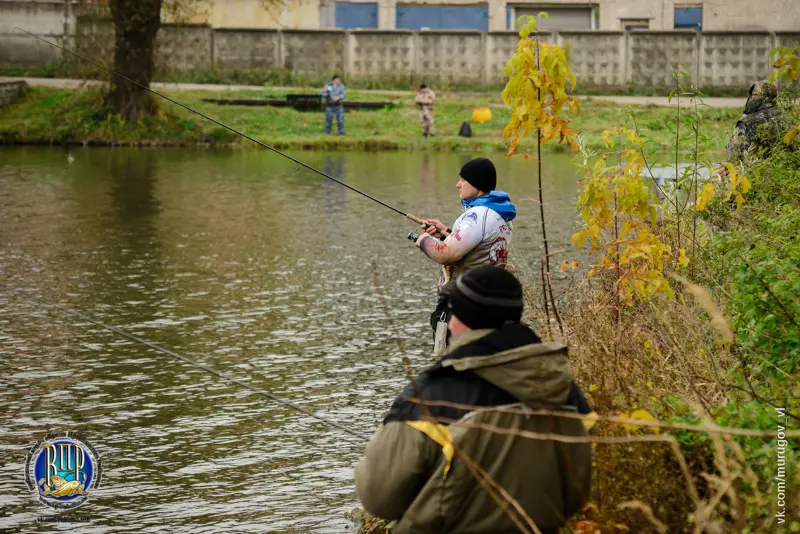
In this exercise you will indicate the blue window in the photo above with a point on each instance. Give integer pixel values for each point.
(509, 18)
(443, 17)
(689, 18)
(356, 15)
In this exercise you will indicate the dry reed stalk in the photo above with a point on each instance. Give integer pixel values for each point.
(708, 426)
(648, 513)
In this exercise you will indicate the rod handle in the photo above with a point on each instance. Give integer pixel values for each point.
(420, 221)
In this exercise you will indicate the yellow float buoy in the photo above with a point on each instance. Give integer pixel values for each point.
(482, 115)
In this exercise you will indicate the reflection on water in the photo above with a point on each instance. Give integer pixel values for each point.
(248, 264)
(666, 173)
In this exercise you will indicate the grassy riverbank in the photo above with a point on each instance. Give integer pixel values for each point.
(65, 116)
(725, 352)
(211, 74)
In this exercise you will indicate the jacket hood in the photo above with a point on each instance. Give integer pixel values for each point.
(498, 201)
(514, 359)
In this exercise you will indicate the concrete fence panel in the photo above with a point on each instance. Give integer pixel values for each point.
(43, 18)
(314, 52)
(731, 60)
(246, 49)
(449, 56)
(597, 58)
(94, 38)
(501, 47)
(24, 50)
(380, 52)
(787, 39)
(39, 17)
(184, 47)
(654, 55)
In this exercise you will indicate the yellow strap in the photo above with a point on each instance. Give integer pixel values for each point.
(441, 435)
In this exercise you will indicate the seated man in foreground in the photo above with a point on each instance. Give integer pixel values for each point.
(410, 470)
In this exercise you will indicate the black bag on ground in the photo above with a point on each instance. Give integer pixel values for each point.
(465, 130)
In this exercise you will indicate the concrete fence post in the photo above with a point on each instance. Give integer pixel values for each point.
(620, 79)
(65, 38)
(697, 57)
(486, 43)
(415, 55)
(212, 53)
(349, 53)
(280, 53)
(775, 42)
(625, 57)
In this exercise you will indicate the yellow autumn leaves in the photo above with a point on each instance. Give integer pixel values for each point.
(536, 91)
(791, 134)
(619, 211)
(734, 186)
(786, 64)
(638, 415)
(620, 216)
(787, 70)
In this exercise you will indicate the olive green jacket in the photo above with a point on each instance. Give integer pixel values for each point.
(411, 471)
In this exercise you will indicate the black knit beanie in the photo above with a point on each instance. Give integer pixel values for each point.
(480, 172)
(487, 297)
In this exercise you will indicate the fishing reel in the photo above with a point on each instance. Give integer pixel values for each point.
(412, 237)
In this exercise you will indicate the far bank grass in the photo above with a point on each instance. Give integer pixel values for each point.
(212, 74)
(65, 116)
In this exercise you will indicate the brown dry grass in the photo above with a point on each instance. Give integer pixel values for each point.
(668, 357)
(653, 351)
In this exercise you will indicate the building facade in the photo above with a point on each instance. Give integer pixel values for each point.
(486, 15)
(300, 38)
(499, 15)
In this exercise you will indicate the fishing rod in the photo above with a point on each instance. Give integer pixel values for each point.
(232, 379)
(234, 130)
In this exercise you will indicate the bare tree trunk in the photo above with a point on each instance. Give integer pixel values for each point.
(135, 25)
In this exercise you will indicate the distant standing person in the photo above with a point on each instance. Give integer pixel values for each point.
(334, 94)
(425, 99)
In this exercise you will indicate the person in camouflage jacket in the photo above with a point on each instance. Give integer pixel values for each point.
(425, 100)
(411, 471)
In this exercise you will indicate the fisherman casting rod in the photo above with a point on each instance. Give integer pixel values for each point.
(119, 331)
(234, 130)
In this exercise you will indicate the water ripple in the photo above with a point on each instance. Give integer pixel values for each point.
(237, 261)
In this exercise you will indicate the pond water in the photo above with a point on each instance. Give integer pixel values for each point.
(250, 265)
